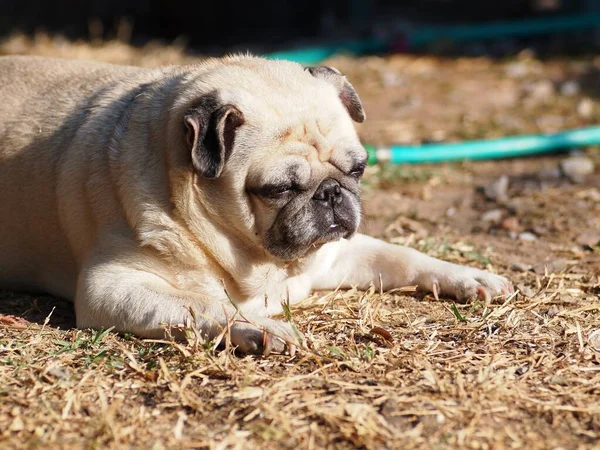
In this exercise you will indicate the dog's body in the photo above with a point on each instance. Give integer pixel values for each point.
(141, 192)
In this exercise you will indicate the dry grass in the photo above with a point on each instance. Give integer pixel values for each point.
(383, 370)
(520, 373)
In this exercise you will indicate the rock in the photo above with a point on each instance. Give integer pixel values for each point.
(497, 189)
(540, 91)
(520, 267)
(555, 266)
(516, 206)
(585, 108)
(589, 239)
(517, 70)
(510, 224)
(570, 88)
(577, 168)
(540, 230)
(493, 215)
(17, 425)
(527, 237)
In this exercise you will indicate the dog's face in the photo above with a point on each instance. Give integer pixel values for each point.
(277, 156)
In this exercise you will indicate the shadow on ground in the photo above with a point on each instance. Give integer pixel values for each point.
(38, 309)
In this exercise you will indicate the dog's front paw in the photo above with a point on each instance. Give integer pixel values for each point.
(261, 335)
(466, 283)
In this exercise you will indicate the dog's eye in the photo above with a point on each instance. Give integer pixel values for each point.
(281, 191)
(358, 171)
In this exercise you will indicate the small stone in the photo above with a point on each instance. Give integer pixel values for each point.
(493, 216)
(510, 224)
(520, 267)
(594, 339)
(577, 168)
(515, 206)
(556, 266)
(541, 90)
(17, 425)
(570, 88)
(589, 239)
(527, 237)
(585, 108)
(540, 230)
(517, 70)
(497, 189)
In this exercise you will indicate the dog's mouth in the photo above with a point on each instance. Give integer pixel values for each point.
(290, 252)
(335, 232)
(304, 231)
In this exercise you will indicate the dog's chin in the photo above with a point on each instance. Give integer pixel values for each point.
(335, 233)
(289, 251)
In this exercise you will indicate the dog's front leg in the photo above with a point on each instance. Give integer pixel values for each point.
(363, 260)
(138, 302)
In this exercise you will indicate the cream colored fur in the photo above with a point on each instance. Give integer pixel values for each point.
(100, 203)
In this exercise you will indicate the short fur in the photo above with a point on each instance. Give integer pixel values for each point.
(141, 192)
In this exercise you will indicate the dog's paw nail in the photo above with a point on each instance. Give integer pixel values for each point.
(435, 288)
(267, 343)
(483, 294)
(292, 350)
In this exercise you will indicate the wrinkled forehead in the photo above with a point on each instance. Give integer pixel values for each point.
(288, 110)
(319, 139)
(317, 128)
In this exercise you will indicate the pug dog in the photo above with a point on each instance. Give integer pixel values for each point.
(218, 191)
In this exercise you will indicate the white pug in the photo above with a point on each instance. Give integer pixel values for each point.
(141, 192)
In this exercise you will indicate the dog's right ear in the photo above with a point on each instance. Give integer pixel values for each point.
(347, 94)
(210, 134)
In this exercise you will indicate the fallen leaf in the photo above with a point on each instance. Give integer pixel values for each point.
(385, 334)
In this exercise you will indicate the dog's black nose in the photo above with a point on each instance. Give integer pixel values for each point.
(329, 192)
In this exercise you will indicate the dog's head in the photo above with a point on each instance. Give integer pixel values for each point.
(275, 156)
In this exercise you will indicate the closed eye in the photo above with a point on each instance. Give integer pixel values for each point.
(276, 191)
(358, 171)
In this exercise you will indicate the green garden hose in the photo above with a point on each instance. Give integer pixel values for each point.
(508, 147)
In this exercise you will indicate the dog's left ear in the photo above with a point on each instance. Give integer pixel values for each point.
(346, 91)
(210, 134)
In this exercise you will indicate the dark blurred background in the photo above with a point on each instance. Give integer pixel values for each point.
(264, 25)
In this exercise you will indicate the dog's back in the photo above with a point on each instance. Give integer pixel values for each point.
(43, 102)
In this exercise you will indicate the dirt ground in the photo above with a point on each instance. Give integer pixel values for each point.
(383, 369)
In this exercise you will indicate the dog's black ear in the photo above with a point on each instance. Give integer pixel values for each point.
(348, 95)
(210, 134)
